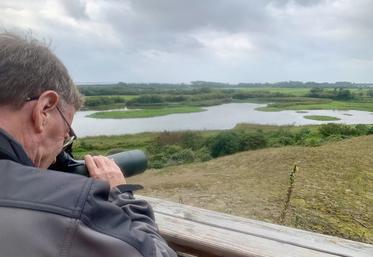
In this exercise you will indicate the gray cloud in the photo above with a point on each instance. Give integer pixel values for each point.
(74, 8)
(298, 2)
(227, 40)
(194, 14)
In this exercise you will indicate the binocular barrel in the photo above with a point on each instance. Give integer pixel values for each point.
(130, 162)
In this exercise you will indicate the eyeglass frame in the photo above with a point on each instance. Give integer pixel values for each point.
(72, 136)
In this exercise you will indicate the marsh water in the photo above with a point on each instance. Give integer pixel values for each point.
(219, 117)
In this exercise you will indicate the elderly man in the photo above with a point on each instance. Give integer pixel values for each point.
(50, 213)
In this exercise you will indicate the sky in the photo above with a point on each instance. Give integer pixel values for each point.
(179, 41)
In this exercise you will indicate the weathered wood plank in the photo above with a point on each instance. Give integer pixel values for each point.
(220, 234)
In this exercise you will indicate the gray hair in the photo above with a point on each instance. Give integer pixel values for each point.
(28, 68)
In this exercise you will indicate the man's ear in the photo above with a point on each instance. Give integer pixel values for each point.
(42, 111)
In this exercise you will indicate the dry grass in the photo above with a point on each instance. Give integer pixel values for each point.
(333, 191)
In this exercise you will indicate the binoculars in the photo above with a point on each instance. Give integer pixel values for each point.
(130, 162)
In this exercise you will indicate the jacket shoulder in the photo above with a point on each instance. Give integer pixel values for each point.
(45, 190)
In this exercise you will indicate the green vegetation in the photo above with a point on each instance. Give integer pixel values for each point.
(331, 193)
(282, 96)
(144, 113)
(302, 91)
(175, 148)
(329, 105)
(321, 117)
(105, 102)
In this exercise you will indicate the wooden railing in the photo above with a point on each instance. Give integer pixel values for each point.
(198, 232)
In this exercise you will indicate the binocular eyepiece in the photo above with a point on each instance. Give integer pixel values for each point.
(130, 162)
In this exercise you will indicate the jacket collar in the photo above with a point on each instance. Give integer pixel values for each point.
(10, 149)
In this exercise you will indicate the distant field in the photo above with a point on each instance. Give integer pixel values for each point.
(280, 98)
(332, 105)
(292, 91)
(106, 102)
(142, 113)
(333, 191)
(298, 91)
(125, 97)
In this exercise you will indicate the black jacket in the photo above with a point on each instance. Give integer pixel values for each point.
(50, 213)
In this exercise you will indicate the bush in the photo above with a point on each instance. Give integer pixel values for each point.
(302, 135)
(362, 129)
(168, 138)
(158, 161)
(312, 141)
(331, 129)
(182, 156)
(157, 164)
(370, 130)
(252, 141)
(225, 143)
(147, 100)
(103, 100)
(203, 154)
(282, 137)
(191, 140)
(328, 129)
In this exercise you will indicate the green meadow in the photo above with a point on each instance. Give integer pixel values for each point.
(144, 113)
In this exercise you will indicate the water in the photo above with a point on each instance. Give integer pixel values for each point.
(220, 117)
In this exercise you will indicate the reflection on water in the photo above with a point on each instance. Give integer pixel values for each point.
(224, 116)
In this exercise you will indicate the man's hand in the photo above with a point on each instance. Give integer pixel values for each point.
(101, 167)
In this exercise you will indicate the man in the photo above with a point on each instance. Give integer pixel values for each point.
(50, 213)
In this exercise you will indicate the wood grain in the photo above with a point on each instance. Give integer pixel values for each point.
(207, 233)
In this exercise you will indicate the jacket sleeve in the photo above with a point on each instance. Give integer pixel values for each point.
(123, 217)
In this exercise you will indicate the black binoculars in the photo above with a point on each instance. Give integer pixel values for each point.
(130, 162)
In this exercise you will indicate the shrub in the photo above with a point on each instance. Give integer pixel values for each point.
(362, 129)
(182, 156)
(157, 164)
(331, 129)
(312, 141)
(191, 140)
(302, 135)
(370, 130)
(168, 138)
(252, 141)
(282, 137)
(203, 154)
(158, 161)
(225, 143)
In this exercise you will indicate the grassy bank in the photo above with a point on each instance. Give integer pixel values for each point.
(143, 113)
(332, 194)
(321, 117)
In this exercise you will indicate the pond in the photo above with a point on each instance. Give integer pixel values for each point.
(219, 117)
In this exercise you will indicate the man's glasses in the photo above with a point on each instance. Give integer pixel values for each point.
(72, 136)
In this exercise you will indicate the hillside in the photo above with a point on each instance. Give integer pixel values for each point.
(333, 191)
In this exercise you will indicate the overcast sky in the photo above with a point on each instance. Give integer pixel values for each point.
(212, 40)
